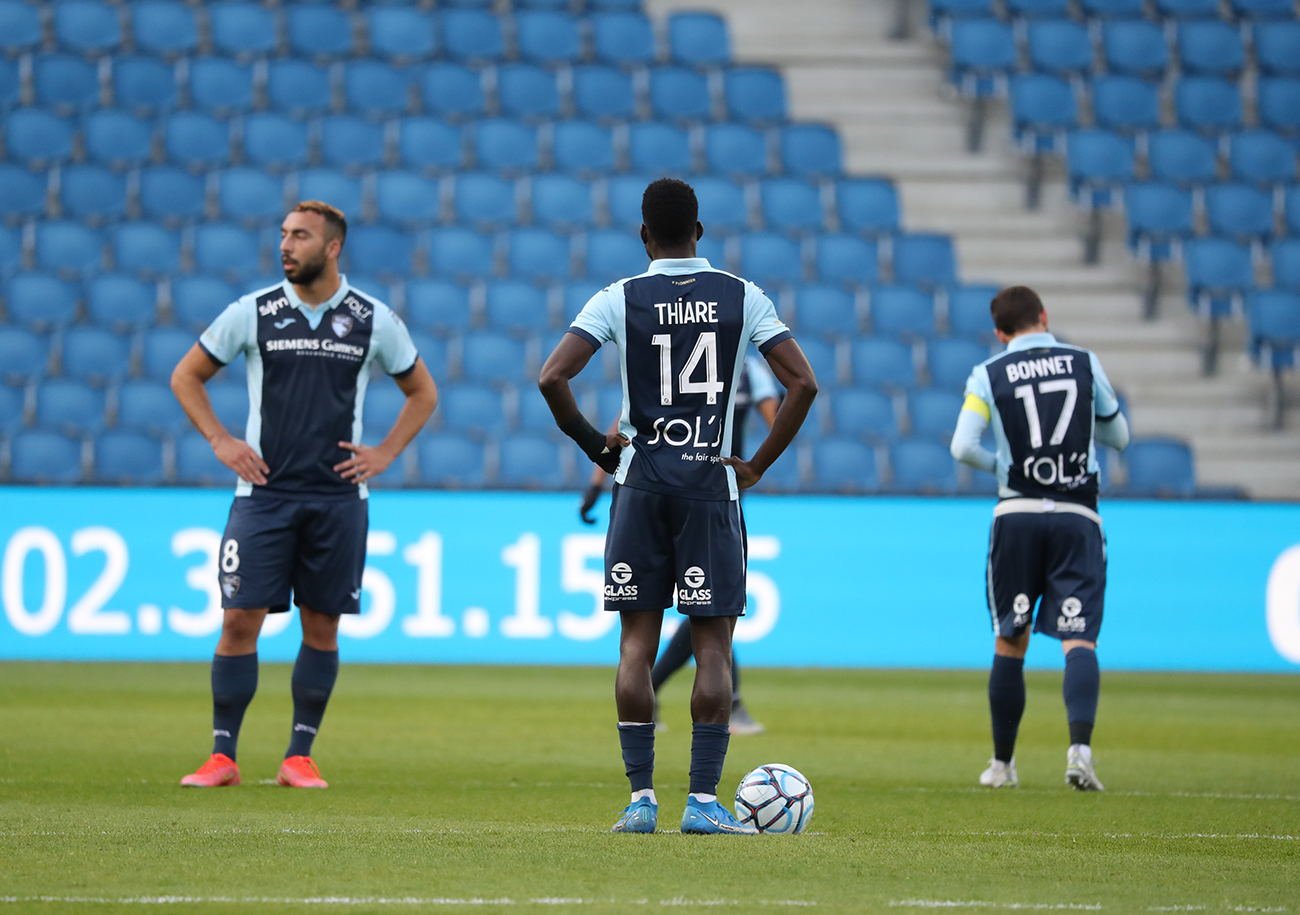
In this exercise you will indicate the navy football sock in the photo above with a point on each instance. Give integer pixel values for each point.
(708, 752)
(1006, 703)
(1081, 687)
(314, 674)
(675, 656)
(638, 742)
(234, 682)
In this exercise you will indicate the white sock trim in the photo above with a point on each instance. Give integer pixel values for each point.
(648, 793)
(635, 724)
(704, 798)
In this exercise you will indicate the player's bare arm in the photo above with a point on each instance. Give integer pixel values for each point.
(421, 399)
(189, 377)
(791, 368)
(569, 358)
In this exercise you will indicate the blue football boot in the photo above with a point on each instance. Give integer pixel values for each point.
(712, 819)
(639, 816)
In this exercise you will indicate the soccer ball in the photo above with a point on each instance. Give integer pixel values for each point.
(776, 799)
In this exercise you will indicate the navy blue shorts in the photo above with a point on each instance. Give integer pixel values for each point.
(316, 550)
(1058, 556)
(657, 543)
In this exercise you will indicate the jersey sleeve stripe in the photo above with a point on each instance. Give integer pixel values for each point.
(579, 332)
(976, 404)
(207, 352)
(1107, 418)
(409, 369)
(767, 345)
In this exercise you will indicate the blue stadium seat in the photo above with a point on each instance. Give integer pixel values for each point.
(10, 83)
(922, 467)
(982, 52)
(171, 193)
(1098, 161)
(92, 193)
(1159, 215)
(197, 300)
(70, 407)
(722, 205)
(40, 456)
(1159, 468)
(65, 82)
(225, 248)
(150, 407)
(87, 26)
(561, 201)
(603, 92)
(734, 149)
(121, 302)
(38, 137)
(1274, 326)
(698, 39)
(230, 403)
(1208, 104)
(451, 90)
(791, 205)
(1135, 47)
(942, 12)
(547, 36)
(484, 198)
(339, 189)
(144, 85)
(1042, 108)
(128, 457)
(197, 140)
(1113, 9)
(1219, 273)
(241, 28)
(380, 250)
(623, 194)
(950, 360)
(297, 87)
(1261, 156)
(11, 250)
(754, 94)
(472, 35)
(41, 301)
(925, 260)
(623, 37)
(162, 348)
(375, 88)
(24, 355)
(1038, 9)
(613, 255)
(319, 31)
(1059, 46)
(657, 147)
(1182, 157)
(536, 255)
(96, 356)
(534, 413)
(609, 401)
(505, 145)
(847, 259)
(22, 192)
(473, 408)
(452, 461)
(20, 27)
(845, 465)
(516, 306)
(530, 462)
(12, 409)
(384, 401)
(437, 305)
(347, 141)
(810, 150)
(430, 144)
(576, 295)
(679, 94)
(1212, 48)
(864, 414)
(582, 146)
(489, 356)
(713, 249)
(933, 414)
(1285, 257)
(902, 311)
(1263, 9)
(1188, 9)
(1279, 105)
(882, 362)
(433, 353)
(1240, 211)
(1277, 48)
(250, 195)
(117, 139)
(867, 205)
(769, 258)
(460, 253)
(1292, 210)
(221, 86)
(401, 33)
(196, 464)
(1125, 104)
(826, 311)
(407, 198)
(68, 246)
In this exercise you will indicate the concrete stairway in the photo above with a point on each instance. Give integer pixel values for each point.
(897, 117)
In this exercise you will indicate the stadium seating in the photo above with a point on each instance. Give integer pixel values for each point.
(43, 456)
(128, 457)
(1159, 468)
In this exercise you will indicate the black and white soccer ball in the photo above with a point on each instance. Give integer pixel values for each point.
(775, 798)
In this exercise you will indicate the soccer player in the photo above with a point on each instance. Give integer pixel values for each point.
(1048, 404)
(681, 329)
(299, 519)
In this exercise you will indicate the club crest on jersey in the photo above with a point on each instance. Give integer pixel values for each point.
(341, 325)
(355, 306)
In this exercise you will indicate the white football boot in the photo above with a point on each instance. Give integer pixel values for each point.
(1078, 769)
(1000, 774)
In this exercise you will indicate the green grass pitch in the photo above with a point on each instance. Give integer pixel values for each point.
(489, 789)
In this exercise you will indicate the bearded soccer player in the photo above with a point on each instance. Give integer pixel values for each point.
(681, 329)
(299, 520)
(1048, 404)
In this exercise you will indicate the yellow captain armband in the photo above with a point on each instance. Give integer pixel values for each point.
(976, 405)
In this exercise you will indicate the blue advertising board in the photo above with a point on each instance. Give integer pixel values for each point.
(515, 578)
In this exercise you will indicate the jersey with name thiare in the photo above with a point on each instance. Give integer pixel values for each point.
(308, 368)
(1044, 398)
(681, 329)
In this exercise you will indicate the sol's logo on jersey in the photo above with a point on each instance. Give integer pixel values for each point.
(694, 593)
(621, 574)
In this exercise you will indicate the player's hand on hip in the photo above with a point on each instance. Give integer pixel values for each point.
(746, 476)
(240, 457)
(615, 442)
(366, 462)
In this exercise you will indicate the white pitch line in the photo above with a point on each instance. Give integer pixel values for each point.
(980, 904)
(389, 900)
(1207, 795)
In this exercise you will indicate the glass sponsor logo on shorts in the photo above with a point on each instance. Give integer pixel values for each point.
(694, 593)
(621, 574)
(1070, 619)
(1020, 605)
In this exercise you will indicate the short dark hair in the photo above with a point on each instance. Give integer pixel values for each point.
(1015, 309)
(670, 211)
(335, 221)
